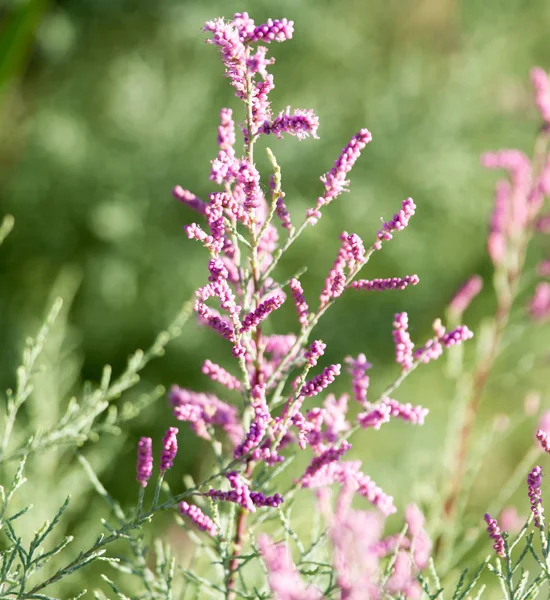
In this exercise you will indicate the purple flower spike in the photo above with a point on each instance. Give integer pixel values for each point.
(456, 336)
(240, 494)
(233, 52)
(358, 367)
(205, 410)
(259, 425)
(403, 344)
(274, 30)
(284, 579)
(316, 350)
(144, 465)
(209, 317)
(282, 212)
(320, 382)
(299, 301)
(202, 521)
(534, 481)
(398, 223)
(260, 499)
(219, 374)
(350, 255)
(261, 313)
(494, 532)
(375, 417)
(541, 83)
(301, 123)
(224, 167)
(328, 456)
(544, 438)
(407, 412)
(392, 283)
(463, 298)
(335, 181)
(189, 199)
(169, 449)
(248, 181)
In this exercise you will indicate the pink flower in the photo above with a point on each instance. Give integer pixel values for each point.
(463, 298)
(399, 221)
(392, 283)
(534, 481)
(402, 340)
(494, 532)
(144, 465)
(169, 449)
(284, 580)
(202, 521)
(335, 181)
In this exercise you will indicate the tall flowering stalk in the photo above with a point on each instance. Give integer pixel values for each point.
(274, 401)
(272, 372)
(516, 217)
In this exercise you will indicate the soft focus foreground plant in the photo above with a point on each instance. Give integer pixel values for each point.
(249, 546)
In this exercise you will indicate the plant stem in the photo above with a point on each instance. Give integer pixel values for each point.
(507, 279)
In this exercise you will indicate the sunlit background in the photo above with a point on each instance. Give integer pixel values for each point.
(106, 105)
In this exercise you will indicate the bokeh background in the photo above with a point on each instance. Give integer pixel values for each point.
(105, 105)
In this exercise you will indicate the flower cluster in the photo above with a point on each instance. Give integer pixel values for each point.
(274, 373)
(494, 532)
(144, 464)
(519, 201)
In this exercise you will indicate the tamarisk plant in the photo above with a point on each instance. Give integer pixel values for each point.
(246, 233)
(239, 517)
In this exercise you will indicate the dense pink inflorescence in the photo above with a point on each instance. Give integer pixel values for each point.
(463, 298)
(169, 449)
(202, 521)
(144, 465)
(354, 535)
(335, 181)
(320, 382)
(534, 480)
(300, 303)
(204, 411)
(261, 313)
(358, 367)
(242, 495)
(189, 199)
(494, 532)
(220, 375)
(284, 579)
(544, 439)
(391, 283)
(402, 340)
(433, 348)
(376, 416)
(349, 472)
(301, 123)
(259, 424)
(314, 352)
(243, 243)
(224, 166)
(399, 221)
(350, 257)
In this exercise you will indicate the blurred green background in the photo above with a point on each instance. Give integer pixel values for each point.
(105, 105)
